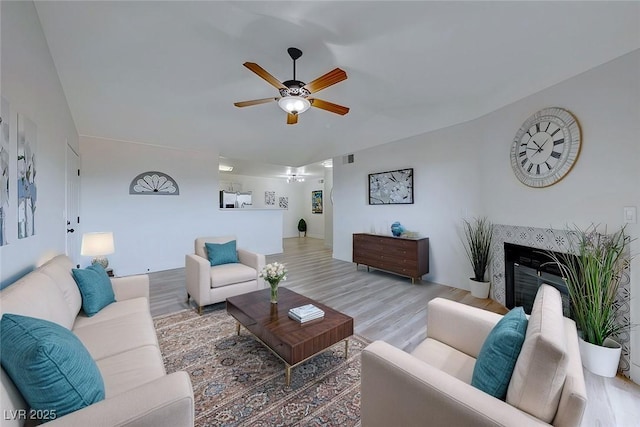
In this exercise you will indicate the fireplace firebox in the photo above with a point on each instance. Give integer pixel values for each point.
(526, 269)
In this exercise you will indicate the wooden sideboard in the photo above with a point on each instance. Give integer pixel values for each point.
(402, 256)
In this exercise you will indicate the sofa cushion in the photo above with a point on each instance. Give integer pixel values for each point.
(36, 295)
(125, 371)
(539, 374)
(117, 335)
(49, 365)
(498, 355)
(59, 269)
(230, 274)
(95, 287)
(113, 311)
(446, 359)
(222, 253)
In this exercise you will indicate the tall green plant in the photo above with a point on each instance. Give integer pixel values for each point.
(593, 275)
(477, 235)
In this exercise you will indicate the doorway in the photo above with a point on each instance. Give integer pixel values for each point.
(73, 205)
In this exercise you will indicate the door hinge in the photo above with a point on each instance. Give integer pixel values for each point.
(78, 172)
(78, 220)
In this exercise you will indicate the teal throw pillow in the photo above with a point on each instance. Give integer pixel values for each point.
(222, 253)
(49, 365)
(499, 352)
(95, 288)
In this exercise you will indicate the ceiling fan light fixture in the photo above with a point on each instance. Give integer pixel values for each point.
(294, 178)
(294, 104)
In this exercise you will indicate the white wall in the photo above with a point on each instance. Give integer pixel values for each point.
(465, 170)
(299, 194)
(315, 221)
(30, 83)
(154, 233)
(258, 186)
(445, 189)
(328, 208)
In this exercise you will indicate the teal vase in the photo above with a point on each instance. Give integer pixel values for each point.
(397, 229)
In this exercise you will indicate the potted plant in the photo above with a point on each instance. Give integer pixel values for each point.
(593, 274)
(302, 227)
(478, 233)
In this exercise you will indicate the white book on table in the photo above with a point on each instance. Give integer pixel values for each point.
(306, 310)
(307, 318)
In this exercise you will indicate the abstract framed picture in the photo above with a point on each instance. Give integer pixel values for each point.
(27, 188)
(316, 202)
(391, 188)
(4, 169)
(269, 198)
(283, 202)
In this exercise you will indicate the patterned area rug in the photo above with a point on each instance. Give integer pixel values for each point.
(238, 382)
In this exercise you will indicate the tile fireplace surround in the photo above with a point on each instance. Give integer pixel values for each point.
(558, 241)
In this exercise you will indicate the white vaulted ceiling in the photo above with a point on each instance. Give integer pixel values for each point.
(168, 73)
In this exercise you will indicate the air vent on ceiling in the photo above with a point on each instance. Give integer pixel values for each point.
(348, 159)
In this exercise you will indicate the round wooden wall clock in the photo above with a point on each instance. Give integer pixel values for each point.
(546, 147)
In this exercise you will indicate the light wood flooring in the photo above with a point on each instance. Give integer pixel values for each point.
(390, 308)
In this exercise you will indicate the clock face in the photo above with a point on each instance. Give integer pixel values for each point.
(545, 147)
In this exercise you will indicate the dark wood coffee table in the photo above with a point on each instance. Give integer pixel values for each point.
(288, 339)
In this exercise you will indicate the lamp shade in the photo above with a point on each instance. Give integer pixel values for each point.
(97, 244)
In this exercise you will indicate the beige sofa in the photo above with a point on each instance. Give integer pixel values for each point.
(432, 385)
(208, 284)
(121, 339)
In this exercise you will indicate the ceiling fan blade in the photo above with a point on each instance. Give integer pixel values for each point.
(264, 74)
(292, 119)
(254, 102)
(332, 77)
(328, 106)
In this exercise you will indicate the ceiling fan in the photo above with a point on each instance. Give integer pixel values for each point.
(294, 95)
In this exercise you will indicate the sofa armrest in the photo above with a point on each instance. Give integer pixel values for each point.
(573, 400)
(130, 287)
(399, 389)
(251, 259)
(167, 401)
(198, 278)
(460, 326)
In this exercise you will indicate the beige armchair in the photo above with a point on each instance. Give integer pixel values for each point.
(432, 385)
(208, 284)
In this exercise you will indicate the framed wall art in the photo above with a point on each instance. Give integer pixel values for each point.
(391, 188)
(316, 202)
(269, 198)
(27, 188)
(283, 202)
(154, 183)
(4, 169)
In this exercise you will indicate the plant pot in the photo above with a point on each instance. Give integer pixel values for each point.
(601, 360)
(479, 289)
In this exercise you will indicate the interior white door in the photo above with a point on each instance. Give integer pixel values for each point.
(73, 205)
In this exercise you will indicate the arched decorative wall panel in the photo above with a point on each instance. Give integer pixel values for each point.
(154, 183)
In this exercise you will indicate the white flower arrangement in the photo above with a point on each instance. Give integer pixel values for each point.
(274, 273)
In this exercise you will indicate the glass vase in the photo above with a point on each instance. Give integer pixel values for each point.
(274, 292)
